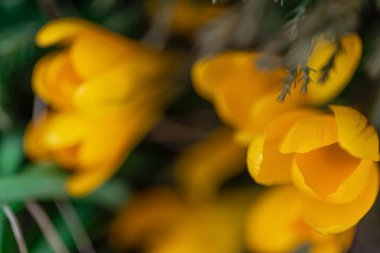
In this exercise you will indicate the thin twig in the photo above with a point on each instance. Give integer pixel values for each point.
(76, 228)
(329, 66)
(287, 84)
(46, 227)
(15, 228)
(158, 33)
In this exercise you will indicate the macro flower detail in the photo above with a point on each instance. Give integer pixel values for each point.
(331, 159)
(245, 95)
(271, 231)
(104, 92)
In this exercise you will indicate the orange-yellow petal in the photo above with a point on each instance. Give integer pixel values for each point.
(215, 226)
(356, 135)
(265, 162)
(94, 53)
(206, 165)
(82, 183)
(233, 82)
(33, 144)
(39, 76)
(119, 86)
(335, 244)
(267, 108)
(310, 133)
(331, 174)
(64, 130)
(55, 81)
(61, 30)
(274, 222)
(344, 68)
(147, 218)
(330, 218)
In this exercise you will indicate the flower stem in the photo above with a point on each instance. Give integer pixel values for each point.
(46, 227)
(15, 228)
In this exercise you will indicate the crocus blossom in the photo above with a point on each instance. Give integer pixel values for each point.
(205, 165)
(104, 93)
(159, 220)
(245, 94)
(271, 231)
(331, 159)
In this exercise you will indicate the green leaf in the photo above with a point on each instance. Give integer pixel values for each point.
(32, 186)
(11, 151)
(111, 196)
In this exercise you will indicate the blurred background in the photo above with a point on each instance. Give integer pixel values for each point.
(153, 178)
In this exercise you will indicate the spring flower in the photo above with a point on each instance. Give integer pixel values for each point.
(244, 94)
(91, 147)
(97, 70)
(104, 93)
(147, 218)
(159, 221)
(206, 165)
(329, 158)
(271, 231)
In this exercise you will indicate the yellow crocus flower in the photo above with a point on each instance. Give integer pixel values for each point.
(147, 218)
(331, 159)
(97, 70)
(275, 225)
(160, 221)
(205, 165)
(245, 96)
(91, 147)
(104, 92)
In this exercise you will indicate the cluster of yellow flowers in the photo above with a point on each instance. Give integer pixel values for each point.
(327, 162)
(103, 92)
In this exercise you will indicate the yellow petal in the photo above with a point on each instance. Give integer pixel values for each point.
(119, 85)
(335, 244)
(210, 74)
(267, 108)
(265, 162)
(65, 130)
(330, 218)
(39, 76)
(118, 134)
(55, 81)
(94, 53)
(83, 183)
(274, 222)
(344, 68)
(206, 165)
(61, 30)
(310, 133)
(356, 135)
(331, 174)
(33, 136)
(220, 222)
(233, 82)
(233, 107)
(147, 218)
